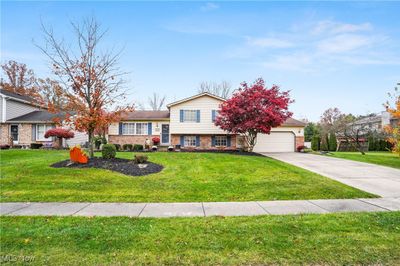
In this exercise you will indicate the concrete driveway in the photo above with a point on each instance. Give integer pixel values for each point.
(379, 180)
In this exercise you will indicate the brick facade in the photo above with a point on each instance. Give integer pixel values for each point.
(299, 141)
(24, 134)
(205, 141)
(130, 139)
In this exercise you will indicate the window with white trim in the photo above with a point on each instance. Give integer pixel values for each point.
(40, 131)
(134, 128)
(128, 128)
(189, 141)
(221, 141)
(189, 115)
(141, 128)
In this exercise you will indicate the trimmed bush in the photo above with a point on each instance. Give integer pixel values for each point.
(137, 147)
(109, 151)
(127, 147)
(4, 147)
(332, 142)
(118, 147)
(140, 158)
(301, 148)
(36, 146)
(315, 143)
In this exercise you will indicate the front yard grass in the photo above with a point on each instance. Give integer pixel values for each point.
(330, 239)
(26, 175)
(374, 157)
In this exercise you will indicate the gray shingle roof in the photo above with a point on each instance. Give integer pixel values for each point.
(16, 95)
(37, 116)
(291, 122)
(146, 115)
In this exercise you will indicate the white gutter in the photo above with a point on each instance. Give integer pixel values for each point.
(3, 111)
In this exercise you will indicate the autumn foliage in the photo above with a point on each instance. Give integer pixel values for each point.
(59, 133)
(254, 109)
(394, 130)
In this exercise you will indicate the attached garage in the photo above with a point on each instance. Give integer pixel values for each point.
(275, 142)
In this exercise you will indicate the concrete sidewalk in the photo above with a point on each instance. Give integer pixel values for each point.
(376, 179)
(200, 209)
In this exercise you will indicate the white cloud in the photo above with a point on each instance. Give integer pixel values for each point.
(268, 42)
(293, 62)
(332, 27)
(344, 43)
(209, 7)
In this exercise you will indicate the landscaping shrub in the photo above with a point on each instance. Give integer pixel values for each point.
(109, 151)
(4, 147)
(137, 147)
(371, 143)
(17, 146)
(300, 148)
(332, 142)
(156, 140)
(315, 143)
(36, 145)
(140, 158)
(98, 141)
(127, 147)
(117, 146)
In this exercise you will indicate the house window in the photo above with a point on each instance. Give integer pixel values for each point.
(141, 128)
(214, 114)
(128, 129)
(221, 141)
(134, 128)
(40, 131)
(189, 115)
(190, 141)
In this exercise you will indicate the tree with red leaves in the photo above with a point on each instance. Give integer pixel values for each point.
(254, 109)
(91, 78)
(59, 133)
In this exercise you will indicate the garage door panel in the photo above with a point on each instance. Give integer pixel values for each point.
(275, 142)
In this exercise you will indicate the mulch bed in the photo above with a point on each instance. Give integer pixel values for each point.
(124, 166)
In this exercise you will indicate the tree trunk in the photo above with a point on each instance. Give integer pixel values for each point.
(91, 149)
(251, 138)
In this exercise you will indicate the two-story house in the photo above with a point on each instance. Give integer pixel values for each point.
(23, 121)
(189, 123)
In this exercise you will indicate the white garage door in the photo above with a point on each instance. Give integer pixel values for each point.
(275, 142)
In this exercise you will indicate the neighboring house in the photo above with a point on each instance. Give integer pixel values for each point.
(23, 122)
(375, 122)
(189, 123)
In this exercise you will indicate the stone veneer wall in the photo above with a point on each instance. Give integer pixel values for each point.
(130, 139)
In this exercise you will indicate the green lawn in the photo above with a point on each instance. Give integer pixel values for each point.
(332, 239)
(381, 158)
(27, 176)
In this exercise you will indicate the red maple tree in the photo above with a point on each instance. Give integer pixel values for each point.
(59, 133)
(254, 109)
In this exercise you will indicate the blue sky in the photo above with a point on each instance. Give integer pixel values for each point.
(329, 54)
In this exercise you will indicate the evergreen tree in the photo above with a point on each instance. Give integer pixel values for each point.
(315, 143)
(325, 143)
(332, 142)
(371, 143)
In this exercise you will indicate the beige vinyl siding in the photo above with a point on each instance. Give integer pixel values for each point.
(15, 109)
(205, 104)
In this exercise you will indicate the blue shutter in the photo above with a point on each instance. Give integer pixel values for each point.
(120, 129)
(212, 141)
(149, 129)
(33, 132)
(197, 141)
(198, 116)
(228, 141)
(181, 115)
(182, 141)
(213, 115)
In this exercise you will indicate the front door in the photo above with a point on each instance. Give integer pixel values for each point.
(164, 134)
(14, 133)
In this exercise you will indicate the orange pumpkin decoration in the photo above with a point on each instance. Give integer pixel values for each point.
(76, 155)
